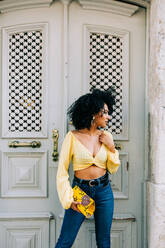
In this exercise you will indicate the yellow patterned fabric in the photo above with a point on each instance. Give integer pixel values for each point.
(73, 149)
(87, 206)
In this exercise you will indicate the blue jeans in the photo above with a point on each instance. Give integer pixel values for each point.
(104, 204)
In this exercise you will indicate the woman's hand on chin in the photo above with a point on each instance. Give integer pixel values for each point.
(106, 140)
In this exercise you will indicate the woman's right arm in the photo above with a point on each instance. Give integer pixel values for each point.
(65, 191)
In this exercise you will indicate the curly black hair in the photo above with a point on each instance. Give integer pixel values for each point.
(82, 110)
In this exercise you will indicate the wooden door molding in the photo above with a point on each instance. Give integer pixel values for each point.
(110, 6)
(12, 5)
(24, 80)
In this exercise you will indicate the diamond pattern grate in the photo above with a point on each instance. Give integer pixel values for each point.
(106, 69)
(25, 81)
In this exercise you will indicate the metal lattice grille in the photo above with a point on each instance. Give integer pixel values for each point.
(106, 70)
(25, 81)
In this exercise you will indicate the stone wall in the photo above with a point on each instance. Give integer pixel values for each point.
(156, 184)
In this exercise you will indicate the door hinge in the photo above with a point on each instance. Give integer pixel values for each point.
(127, 165)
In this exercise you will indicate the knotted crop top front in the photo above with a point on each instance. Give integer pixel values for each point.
(82, 158)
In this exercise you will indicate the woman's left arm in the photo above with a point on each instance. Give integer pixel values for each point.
(107, 139)
(113, 161)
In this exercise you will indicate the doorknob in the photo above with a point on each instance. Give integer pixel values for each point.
(33, 144)
(55, 144)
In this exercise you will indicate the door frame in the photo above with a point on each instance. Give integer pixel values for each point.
(146, 126)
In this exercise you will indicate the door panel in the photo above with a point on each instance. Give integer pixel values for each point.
(31, 86)
(24, 174)
(24, 80)
(106, 53)
(27, 232)
(110, 51)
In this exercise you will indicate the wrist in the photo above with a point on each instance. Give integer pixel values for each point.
(111, 148)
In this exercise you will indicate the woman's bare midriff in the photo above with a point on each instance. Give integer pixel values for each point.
(91, 172)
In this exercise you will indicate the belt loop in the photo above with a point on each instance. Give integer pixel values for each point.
(80, 180)
(99, 182)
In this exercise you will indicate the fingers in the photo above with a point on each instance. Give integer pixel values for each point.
(75, 202)
(74, 206)
(101, 132)
(101, 136)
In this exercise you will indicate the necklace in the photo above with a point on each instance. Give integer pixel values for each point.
(88, 133)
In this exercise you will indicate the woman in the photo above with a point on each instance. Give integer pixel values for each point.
(93, 154)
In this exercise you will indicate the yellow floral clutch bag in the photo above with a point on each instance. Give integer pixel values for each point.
(87, 206)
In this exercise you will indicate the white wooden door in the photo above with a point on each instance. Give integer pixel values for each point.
(32, 106)
(107, 49)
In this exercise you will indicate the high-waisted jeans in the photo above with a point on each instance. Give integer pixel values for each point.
(104, 204)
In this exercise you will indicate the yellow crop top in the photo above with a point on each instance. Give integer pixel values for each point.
(73, 149)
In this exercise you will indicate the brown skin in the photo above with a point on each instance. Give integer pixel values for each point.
(92, 139)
